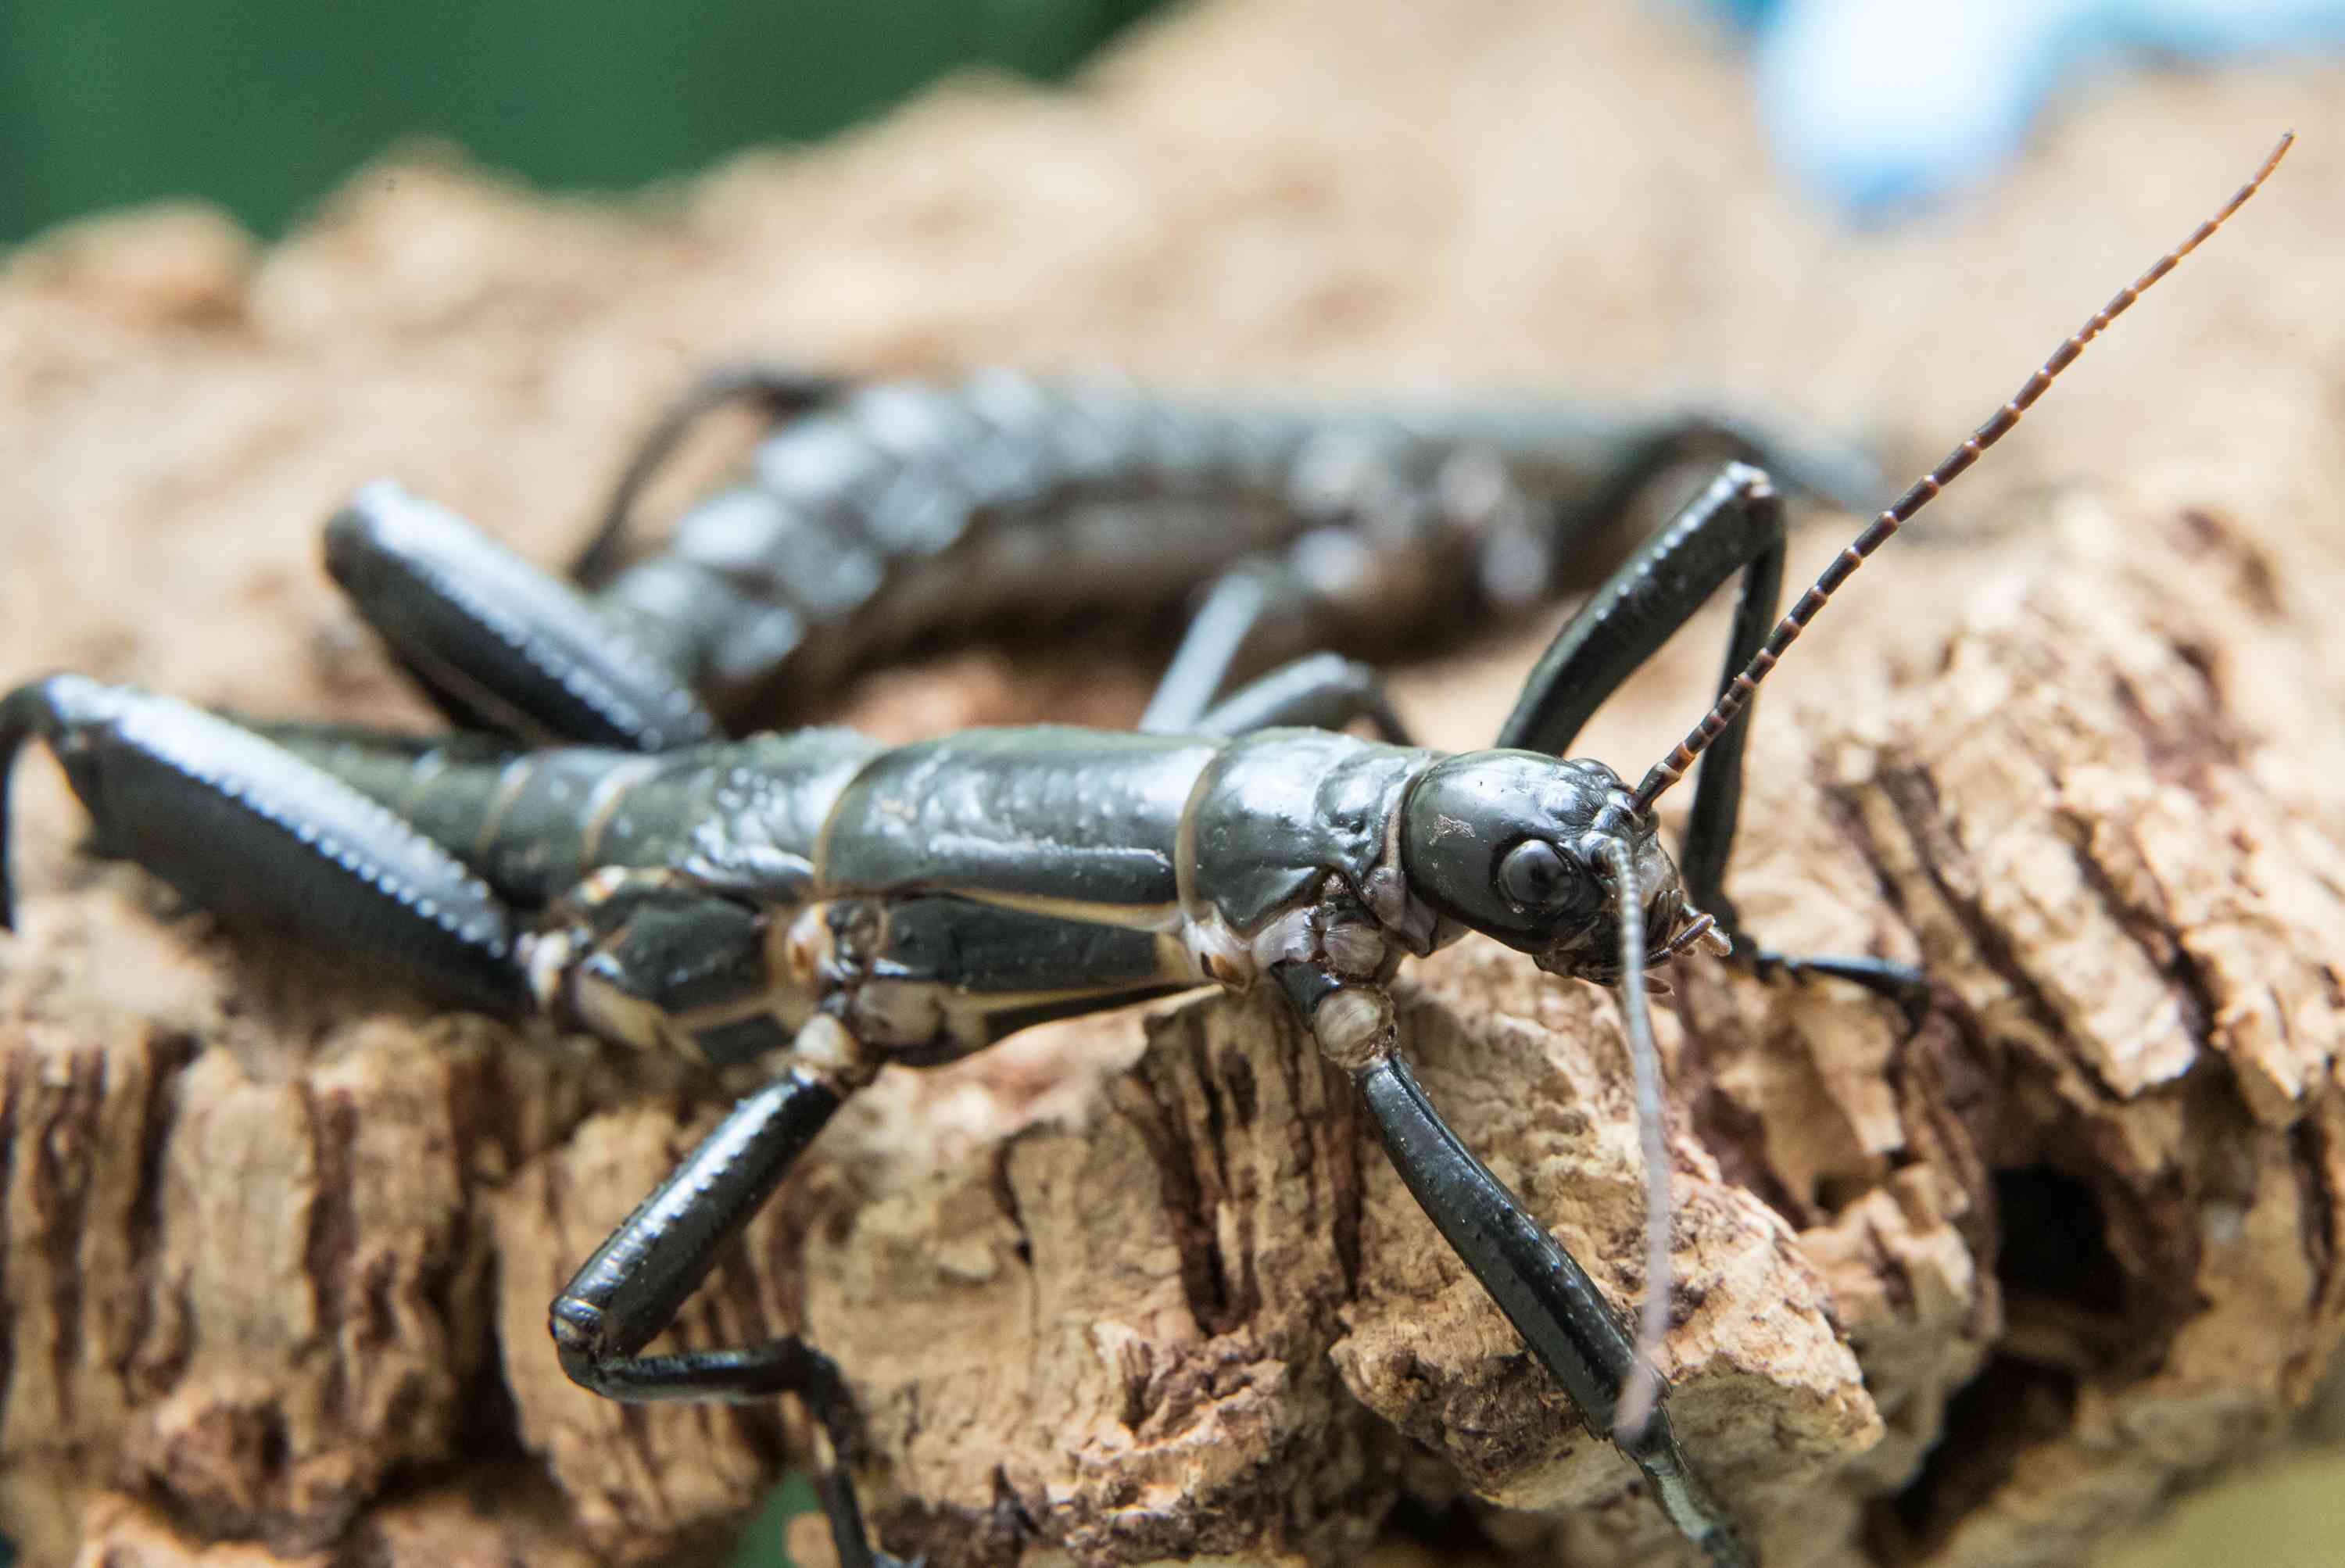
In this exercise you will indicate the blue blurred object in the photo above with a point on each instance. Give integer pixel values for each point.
(1882, 105)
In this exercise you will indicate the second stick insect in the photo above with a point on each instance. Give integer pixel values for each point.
(823, 906)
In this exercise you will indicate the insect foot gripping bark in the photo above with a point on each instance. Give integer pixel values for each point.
(819, 905)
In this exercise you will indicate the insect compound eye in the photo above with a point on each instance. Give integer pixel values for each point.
(1536, 876)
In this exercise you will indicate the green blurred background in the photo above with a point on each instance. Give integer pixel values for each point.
(264, 105)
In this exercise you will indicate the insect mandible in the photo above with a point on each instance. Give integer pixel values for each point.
(822, 906)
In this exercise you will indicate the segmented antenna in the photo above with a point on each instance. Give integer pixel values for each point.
(1671, 768)
(1644, 1387)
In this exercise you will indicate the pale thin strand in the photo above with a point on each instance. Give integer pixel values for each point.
(1644, 1385)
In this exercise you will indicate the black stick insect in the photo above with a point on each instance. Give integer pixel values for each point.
(881, 514)
(823, 905)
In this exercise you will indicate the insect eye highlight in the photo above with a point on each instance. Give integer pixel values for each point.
(1535, 875)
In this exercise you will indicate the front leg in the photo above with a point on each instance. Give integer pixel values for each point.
(1736, 526)
(1560, 1313)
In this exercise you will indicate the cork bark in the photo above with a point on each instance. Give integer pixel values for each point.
(276, 1244)
(2076, 1233)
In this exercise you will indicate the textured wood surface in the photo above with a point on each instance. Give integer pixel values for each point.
(277, 1246)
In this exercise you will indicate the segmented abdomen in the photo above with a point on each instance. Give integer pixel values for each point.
(907, 510)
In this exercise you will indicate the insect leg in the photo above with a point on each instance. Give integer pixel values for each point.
(256, 834)
(780, 390)
(1562, 1316)
(1324, 691)
(631, 1289)
(498, 643)
(1839, 477)
(1734, 525)
(1543, 1290)
(1239, 603)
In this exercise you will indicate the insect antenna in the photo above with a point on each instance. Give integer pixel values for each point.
(1671, 768)
(1639, 1398)
(1643, 1390)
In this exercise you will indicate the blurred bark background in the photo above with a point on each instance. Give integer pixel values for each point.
(277, 1246)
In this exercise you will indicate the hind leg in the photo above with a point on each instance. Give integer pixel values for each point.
(253, 832)
(496, 641)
